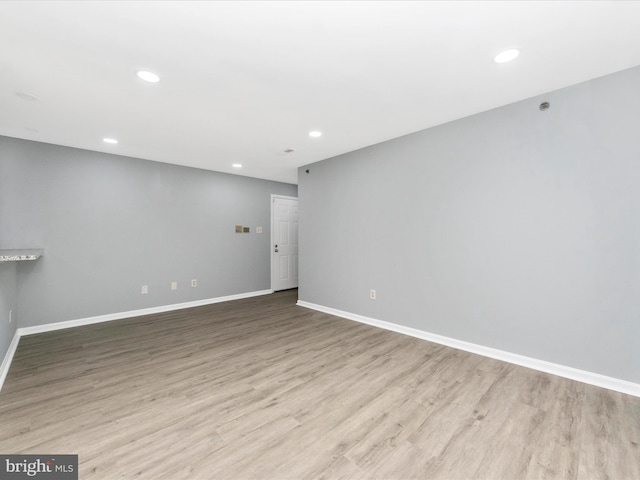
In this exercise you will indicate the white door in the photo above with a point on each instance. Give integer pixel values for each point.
(284, 243)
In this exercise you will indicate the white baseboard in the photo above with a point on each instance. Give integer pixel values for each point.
(583, 376)
(49, 327)
(8, 358)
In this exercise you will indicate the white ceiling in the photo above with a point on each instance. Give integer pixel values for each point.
(243, 81)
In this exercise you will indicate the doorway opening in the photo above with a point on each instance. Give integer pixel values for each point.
(284, 243)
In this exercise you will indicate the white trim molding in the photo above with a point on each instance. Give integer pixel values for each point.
(583, 376)
(8, 358)
(50, 327)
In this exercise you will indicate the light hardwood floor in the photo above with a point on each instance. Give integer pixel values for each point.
(262, 389)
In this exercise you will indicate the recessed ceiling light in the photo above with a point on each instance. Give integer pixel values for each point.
(237, 165)
(315, 133)
(506, 56)
(148, 76)
(112, 141)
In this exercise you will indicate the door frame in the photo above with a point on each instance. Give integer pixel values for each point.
(271, 236)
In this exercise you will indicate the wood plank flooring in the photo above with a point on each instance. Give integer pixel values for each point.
(262, 389)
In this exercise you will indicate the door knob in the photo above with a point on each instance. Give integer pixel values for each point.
(276, 249)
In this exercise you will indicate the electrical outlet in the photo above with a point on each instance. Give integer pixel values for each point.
(372, 294)
(194, 283)
(174, 285)
(258, 229)
(144, 290)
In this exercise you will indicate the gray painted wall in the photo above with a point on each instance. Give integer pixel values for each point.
(8, 278)
(110, 224)
(514, 229)
(8, 283)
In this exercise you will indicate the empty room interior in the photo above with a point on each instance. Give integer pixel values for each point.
(320, 240)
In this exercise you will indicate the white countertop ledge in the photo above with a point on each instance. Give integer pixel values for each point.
(20, 254)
